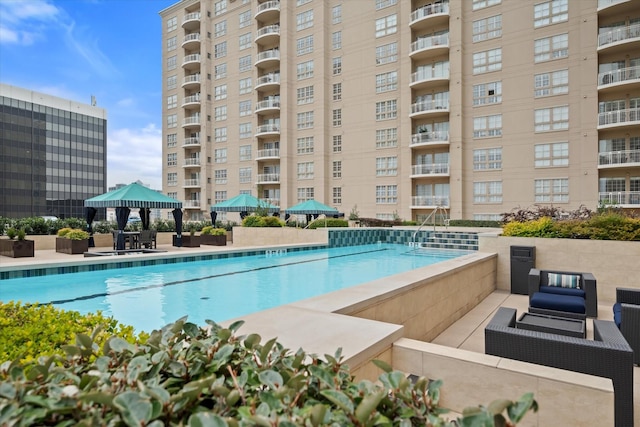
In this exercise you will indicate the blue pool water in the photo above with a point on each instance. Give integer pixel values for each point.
(150, 297)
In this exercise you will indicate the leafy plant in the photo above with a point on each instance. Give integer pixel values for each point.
(73, 233)
(262, 221)
(12, 233)
(210, 230)
(63, 231)
(328, 222)
(354, 215)
(22, 234)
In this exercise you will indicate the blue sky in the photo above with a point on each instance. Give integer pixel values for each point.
(110, 49)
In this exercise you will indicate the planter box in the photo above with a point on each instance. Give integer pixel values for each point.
(188, 241)
(209, 239)
(71, 247)
(17, 248)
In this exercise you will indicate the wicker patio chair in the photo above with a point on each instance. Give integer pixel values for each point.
(628, 304)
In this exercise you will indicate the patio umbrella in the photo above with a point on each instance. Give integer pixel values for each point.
(244, 203)
(312, 207)
(144, 218)
(177, 216)
(89, 215)
(214, 216)
(133, 196)
(122, 215)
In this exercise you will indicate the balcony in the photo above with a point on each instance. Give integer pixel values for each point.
(429, 46)
(270, 153)
(191, 21)
(191, 101)
(268, 105)
(429, 108)
(624, 78)
(621, 199)
(432, 202)
(615, 159)
(429, 15)
(268, 178)
(191, 204)
(191, 62)
(190, 183)
(191, 41)
(268, 81)
(191, 162)
(268, 11)
(615, 7)
(622, 39)
(268, 35)
(619, 118)
(191, 82)
(423, 78)
(193, 141)
(430, 139)
(272, 201)
(268, 57)
(191, 121)
(430, 170)
(268, 129)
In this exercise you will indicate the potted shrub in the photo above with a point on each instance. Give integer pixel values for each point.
(189, 240)
(213, 236)
(17, 246)
(72, 241)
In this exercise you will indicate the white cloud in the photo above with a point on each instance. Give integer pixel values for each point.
(135, 154)
(25, 21)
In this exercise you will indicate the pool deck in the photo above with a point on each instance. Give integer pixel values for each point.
(317, 331)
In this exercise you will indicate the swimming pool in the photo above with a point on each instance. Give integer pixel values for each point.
(151, 296)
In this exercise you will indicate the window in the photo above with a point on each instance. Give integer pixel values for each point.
(245, 153)
(220, 134)
(337, 91)
(220, 92)
(305, 170)
(172, 63)
(337, 143)
(336, 14)
(172, 101)
(549, 119)
(554, 83)
(337, 117)
(387, 138)
(387, 25)
(336, 40)
(481, 4)
(381, 4)
(172, 120)
(487, 28)
(551, 155)
(551, 48)
(305, 193)
(172, 82)
(305, 95)
(337, 65)
(386, 110)
(220, 7)
(219, 196)
(220, 50)
(304, 70)
(487, 126)
(172, 43)
(220, 29)
(172, 159)
(552, 190)
(487, 192)
(220, 71)
(305, 120)
(244, 19)
(172, 179)
(244, 107)
(487, 159)
(245, 85)
(172, 140)
(244, 175)
(245, 130)
(489, 60)
(221, 113)
(387, 166)
(387, 53)
(244, 41)
(172, 23)
(301, 2)
(304, 45)
(220, 155)
(487, 93)
(220, 176)
(304, 20)
(550, 12)
(336, 195)
(337, 169)
(386, 82)
(386, 194)
(305, 145)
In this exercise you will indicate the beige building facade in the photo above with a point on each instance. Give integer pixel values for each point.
(395, 109)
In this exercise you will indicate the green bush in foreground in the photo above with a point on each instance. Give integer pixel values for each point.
(262, 221)
(607, 226)
(328, 222)
(187, 376)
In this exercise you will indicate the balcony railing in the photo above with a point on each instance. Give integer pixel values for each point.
(194, 57)
(629, 116)
(194, 140)
(193, 78)
(606, 3)
(270, 152)
(620, 198)
(618, 157)
(191, 183)
(271, 201)
(430, 169)
(268, 177)
(191, 99)
(194, 16)
(423, 106)
(193, 161)
(618, 76)
(429, 137)
(268, 79)
(424, 75)
(269, 54)
(428, 42)
(430, 201)
(619, 34)
(430, 9)
(262, 7)
(193, 37)
(193, 120)
(269, 29)
(269, 128)
(268, 104)
(191, 203)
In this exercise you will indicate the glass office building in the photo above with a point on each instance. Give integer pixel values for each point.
(53, 154)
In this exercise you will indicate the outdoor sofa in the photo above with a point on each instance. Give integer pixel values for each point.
(563, 293)
(608, 355)
(626, 314)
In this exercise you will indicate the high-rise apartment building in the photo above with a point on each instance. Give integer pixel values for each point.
(54, 154)
(395, 108)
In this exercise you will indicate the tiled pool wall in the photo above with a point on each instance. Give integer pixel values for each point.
(355, 236)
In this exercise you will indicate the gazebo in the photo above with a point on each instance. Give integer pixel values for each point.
(243, 203)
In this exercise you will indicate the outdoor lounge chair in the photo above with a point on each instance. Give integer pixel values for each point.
(563, 293)
(626, 315)
(147, 239)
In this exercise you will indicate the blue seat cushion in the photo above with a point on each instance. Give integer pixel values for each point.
(549, 301)
(617, 313)
(575, 292)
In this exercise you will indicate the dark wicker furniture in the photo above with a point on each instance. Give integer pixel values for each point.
(628, 303)
(608, 355)
(552, 324)
(538, 280)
